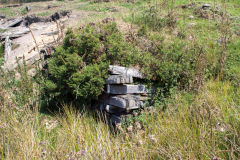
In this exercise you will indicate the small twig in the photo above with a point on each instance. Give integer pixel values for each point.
(35, 41)
(55, 40)
(58, 28)
(43, 43)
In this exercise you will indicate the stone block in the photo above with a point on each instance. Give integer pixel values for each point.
(127, 102)
(115, 119)
(118, 70)
(119, 79)
(113, 110)
(126, 89)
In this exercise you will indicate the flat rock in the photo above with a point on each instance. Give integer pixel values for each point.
(7, 24)
(119, 79)
(205, 6)
(115, 119)
(126, 89)
(15, 22)
(15, 32)
(113, 109)
(125, 71)
(127, 102)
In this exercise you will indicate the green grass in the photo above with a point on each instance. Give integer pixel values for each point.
(12, 12)
(43, 14)
(201, 126)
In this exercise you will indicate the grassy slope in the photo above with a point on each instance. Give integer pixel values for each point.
(199, 125)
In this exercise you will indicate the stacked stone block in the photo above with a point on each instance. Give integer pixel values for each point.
(121, 96)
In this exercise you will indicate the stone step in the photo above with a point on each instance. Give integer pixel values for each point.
(127, 102)
(113, 110)
(126, 89)
(118, 70)
(119, 79)
(115, 119)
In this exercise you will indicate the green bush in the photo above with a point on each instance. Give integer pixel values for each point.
(78, 68)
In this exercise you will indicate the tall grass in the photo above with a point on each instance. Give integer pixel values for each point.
(201, 126)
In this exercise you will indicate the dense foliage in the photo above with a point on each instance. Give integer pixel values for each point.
(76, 71)
(78, 68)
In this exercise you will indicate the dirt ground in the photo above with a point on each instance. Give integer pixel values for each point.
(28, 45)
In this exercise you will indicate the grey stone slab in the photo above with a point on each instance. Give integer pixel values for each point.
(15, 22)
(113, 109)
(119, 79)
(115, 119)
(126, 89)
(127, 102)
(15, 32)
(125, 71)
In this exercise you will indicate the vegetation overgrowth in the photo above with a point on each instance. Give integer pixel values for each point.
(190, 55)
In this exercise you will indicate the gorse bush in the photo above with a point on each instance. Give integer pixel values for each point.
(78, 68)
(170, 61)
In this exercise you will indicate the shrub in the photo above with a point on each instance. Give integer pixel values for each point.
(78, 68)
(171, 66)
